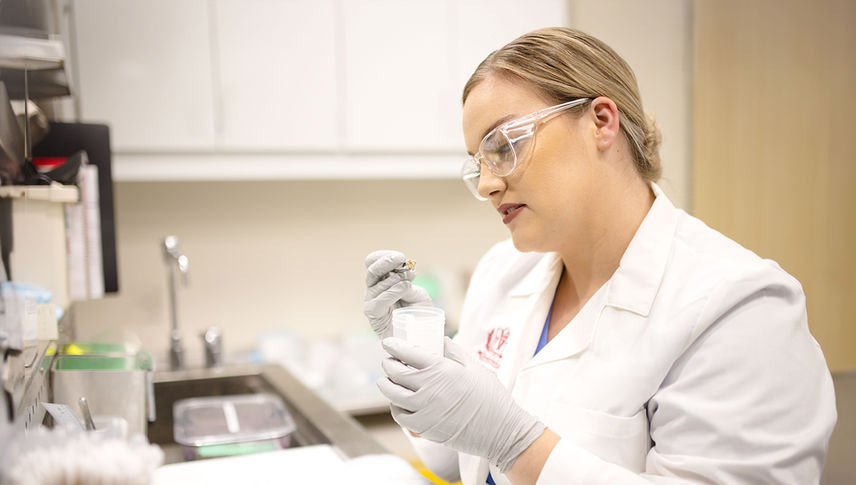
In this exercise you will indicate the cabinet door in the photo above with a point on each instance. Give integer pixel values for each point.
(277, 72)
(407, 62)
(145, 69)
(482, 26)
(400, 86)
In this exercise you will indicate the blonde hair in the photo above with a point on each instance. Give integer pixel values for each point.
(565, 64)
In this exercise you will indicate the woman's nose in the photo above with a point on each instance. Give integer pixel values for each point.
(490, 184)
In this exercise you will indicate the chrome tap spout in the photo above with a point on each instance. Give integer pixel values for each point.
(175, 260)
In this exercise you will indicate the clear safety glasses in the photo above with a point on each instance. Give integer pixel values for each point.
(507, 145)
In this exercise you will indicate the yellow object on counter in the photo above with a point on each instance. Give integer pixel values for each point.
(74, 349)
(425, 472)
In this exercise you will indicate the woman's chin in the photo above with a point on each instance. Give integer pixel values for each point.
(524, 244)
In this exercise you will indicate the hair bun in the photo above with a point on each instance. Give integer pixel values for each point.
(651, 147)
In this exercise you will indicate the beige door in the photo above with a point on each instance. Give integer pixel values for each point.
(774, 128)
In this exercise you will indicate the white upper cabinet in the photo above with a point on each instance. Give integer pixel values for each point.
(406, 63)
(144, 67)
(486, 25)
(401, 85)
(308, 84)
(277, 74)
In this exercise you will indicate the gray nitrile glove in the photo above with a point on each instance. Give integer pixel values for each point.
(456, 401)
(386, 290)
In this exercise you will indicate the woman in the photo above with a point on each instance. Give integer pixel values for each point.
(615, 339)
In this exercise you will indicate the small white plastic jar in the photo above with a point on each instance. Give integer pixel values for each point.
(421, 326)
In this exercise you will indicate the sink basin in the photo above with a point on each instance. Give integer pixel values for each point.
(316, 421)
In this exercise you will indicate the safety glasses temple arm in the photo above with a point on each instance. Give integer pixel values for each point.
(544, 113)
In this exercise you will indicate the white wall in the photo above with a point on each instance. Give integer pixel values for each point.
(271, 255)
(655, 38)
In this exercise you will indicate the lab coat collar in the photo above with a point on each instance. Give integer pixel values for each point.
(632, 287)
(544, 275)
(640, 271)
(533, 295)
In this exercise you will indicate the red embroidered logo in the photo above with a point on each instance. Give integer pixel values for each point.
(494, 346)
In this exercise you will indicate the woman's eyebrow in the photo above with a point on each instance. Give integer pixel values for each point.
(492, 127)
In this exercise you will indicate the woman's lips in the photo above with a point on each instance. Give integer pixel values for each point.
(509, 211)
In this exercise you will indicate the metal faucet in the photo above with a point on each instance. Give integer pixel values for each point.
(212, 340)
(174, 259)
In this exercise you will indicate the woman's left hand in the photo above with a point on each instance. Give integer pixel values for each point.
(455, 400)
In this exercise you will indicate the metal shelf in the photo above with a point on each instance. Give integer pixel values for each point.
(43, 58)
(30, 53)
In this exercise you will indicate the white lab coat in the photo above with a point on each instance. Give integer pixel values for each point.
(692, 364)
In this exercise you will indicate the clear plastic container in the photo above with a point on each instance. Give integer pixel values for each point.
(420, 326)
(208, 427)
(115, 379)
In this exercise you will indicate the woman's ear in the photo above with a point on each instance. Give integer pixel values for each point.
(606, 122)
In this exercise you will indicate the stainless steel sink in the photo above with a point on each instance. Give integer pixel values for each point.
(317, 422)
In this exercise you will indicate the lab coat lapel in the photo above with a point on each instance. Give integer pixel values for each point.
(635, 284)
(574, 338)
(529, 302)
(527, 305)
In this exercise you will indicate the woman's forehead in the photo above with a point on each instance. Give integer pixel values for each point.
(493, 99)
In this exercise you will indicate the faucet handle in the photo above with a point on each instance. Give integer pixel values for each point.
(176, 351)
(212, 338)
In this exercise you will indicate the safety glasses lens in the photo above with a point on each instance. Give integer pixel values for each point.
(470, 174)
(499, 152)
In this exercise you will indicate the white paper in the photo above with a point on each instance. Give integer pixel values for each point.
(62, 415)
(46, 324)
(306, 464)
(318, 464)
(92, 220)
(75, 241)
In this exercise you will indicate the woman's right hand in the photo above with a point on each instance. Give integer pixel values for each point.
(387, 290)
